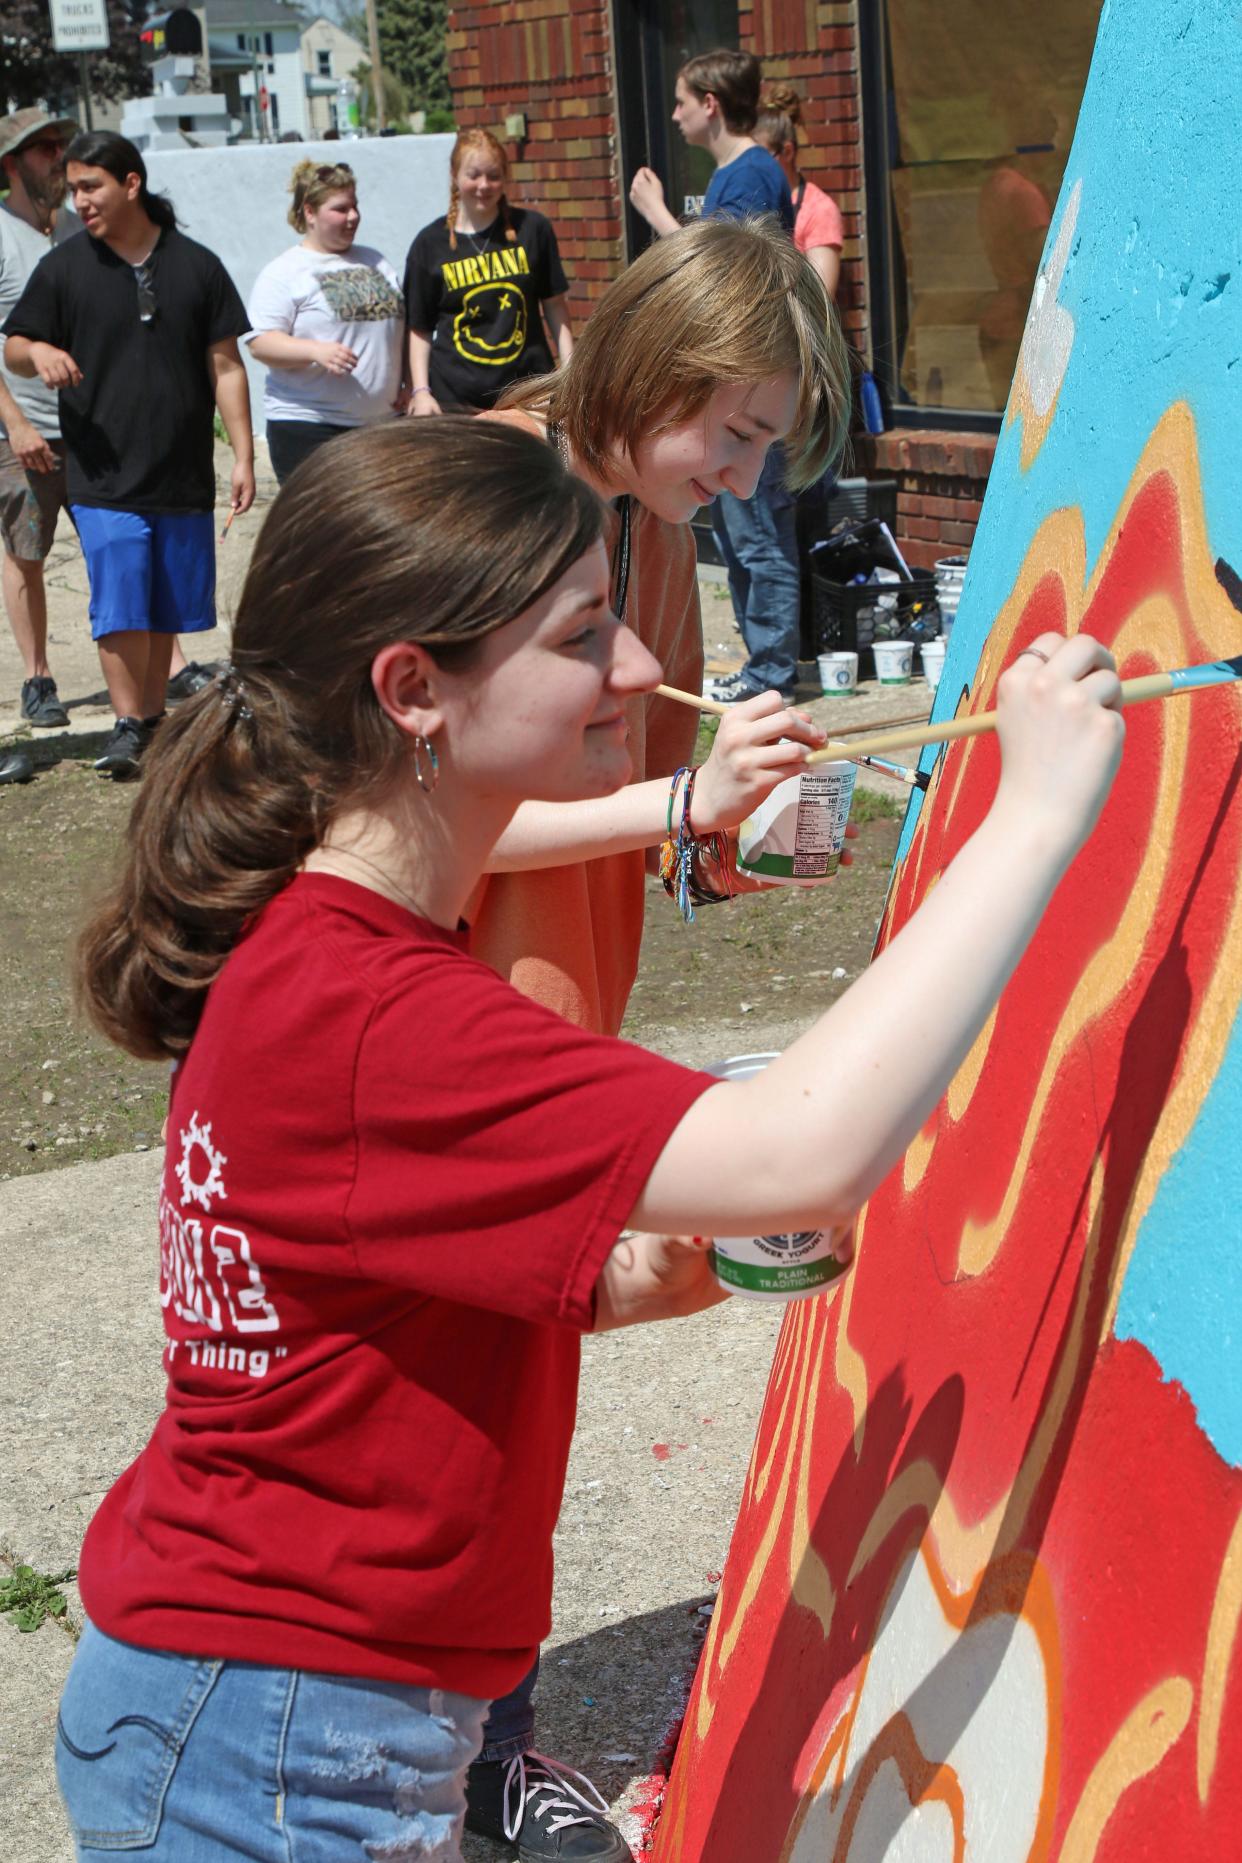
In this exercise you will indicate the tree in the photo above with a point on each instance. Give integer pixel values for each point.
(396, 107)
(412, 37)
(33, 72)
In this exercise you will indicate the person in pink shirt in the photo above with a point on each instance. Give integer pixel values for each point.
(819, 232)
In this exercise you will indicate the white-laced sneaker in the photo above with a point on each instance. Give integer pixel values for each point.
(551, 1812)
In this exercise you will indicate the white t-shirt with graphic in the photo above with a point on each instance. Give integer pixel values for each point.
(352, 297)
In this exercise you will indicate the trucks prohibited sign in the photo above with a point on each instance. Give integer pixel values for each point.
(79, 25)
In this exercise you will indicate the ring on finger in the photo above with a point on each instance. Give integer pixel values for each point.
(1037, 651)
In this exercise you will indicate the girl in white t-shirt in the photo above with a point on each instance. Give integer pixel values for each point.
(327, 321)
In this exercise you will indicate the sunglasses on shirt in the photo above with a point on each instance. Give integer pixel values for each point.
(146, 292)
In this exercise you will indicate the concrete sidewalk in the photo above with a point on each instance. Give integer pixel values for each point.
(638, 1537)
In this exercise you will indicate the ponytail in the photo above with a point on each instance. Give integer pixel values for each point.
(219, 827)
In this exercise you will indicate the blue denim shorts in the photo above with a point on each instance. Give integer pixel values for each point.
(152, 571)
(193, 1761)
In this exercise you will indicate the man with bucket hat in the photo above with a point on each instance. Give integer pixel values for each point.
(32, 463)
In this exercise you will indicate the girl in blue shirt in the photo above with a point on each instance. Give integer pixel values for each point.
(717, 104)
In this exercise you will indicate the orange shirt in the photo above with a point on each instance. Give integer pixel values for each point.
(569, 936)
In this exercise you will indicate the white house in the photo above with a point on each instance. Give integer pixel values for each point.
(255, 50)
(328, 55)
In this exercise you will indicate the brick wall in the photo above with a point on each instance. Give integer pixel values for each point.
(941, 479)
(813, 45)
(507, 56)
(550, 59)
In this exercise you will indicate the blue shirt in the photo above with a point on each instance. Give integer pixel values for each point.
(753, 182)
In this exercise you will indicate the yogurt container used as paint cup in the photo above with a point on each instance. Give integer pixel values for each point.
(795, 836)
(932, 655)
(894, 661)
(780, 1267)
(838, 672)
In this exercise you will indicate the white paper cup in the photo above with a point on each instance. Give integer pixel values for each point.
(932, 655)
(838, 672)
(779, 1267)
(894, 661)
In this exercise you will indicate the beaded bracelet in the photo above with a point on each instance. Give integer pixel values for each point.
(678, 856)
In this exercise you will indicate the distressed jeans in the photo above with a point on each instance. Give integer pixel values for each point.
(184, 1760)
(758, 539)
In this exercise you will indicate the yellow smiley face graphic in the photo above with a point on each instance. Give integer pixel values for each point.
(490, 327)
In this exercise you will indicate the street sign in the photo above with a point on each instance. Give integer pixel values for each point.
(79, 25)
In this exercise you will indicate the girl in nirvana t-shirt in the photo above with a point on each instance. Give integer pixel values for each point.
(479, 284)
(396, 1189)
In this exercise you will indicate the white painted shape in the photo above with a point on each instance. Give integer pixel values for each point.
(236, 200)
(1048, 338)
(976, 1701)
(889, 1830)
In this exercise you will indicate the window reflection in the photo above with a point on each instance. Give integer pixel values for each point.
(983, 102)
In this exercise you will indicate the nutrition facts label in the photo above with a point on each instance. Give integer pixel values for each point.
(823, 809)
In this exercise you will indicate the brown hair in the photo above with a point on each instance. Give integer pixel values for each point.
(719, 301)
(780, 117)
(467, 140)
(442, 531)
(312, 183)
(732, 78)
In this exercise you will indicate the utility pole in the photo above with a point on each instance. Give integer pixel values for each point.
(84, 84)
(377, 70)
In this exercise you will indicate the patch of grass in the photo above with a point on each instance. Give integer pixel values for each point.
(31, 1597)
(870, 806)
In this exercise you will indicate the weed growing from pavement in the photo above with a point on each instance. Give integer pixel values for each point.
(31, 1597)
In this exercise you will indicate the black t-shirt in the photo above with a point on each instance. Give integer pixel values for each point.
(480, 305)
(138, 427)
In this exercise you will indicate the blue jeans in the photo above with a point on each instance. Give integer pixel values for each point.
(758, 539)
(510, 1726)
(187, 1760)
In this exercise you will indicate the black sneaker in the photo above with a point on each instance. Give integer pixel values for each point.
(40, 705)
(546, 1812)
(191, 679)
(123, 751)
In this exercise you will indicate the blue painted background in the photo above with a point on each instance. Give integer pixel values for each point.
(1154, 284)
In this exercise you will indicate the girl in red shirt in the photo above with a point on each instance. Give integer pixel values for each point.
(389, 1172)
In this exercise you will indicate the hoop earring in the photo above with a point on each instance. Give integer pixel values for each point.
(424, 746)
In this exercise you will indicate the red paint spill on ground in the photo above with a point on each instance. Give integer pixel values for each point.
(661, 1451)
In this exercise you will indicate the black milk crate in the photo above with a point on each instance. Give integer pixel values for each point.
(849, 616)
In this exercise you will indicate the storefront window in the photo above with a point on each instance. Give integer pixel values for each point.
(980, 99)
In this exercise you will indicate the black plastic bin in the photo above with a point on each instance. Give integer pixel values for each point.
(850, 615)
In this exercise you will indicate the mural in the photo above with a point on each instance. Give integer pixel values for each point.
(984, 1593)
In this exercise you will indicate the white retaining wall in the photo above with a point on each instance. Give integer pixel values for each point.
(236, 200)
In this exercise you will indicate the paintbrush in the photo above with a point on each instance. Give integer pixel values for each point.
(912, 778)
(227, 523)
(948, 730)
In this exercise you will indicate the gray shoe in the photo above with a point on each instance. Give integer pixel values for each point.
(124, 749)
(41, 706)
(16, 766)
(191, 679)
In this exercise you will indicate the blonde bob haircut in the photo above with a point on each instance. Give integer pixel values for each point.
(718, 302)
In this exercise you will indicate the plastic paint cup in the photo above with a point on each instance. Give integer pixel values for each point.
(838, 672)
(795, 836)
(894, 661)
(932, 653)
(779, 1267)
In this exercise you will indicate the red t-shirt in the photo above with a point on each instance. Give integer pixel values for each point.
(391, 1185)
(818, 220)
